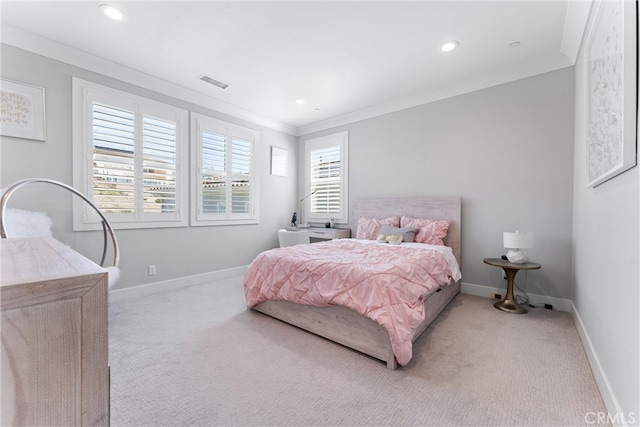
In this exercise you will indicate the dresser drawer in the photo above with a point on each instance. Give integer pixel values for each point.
(321, 234)
(329, 233)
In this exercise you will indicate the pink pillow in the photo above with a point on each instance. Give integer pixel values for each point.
(429, 231)
(369, 228)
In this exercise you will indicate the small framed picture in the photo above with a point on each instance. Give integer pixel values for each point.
(22, 110)
(278, 161)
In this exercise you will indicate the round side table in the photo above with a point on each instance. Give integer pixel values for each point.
(508, 303)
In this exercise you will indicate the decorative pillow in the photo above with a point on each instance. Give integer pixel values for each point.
(392, 239)
(369, 228)
(408, 234)
(429, 231)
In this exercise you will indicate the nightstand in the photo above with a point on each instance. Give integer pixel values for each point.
(508, 303)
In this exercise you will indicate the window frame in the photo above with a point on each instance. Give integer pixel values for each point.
(338, 139)
(199, 124)
(84, 93)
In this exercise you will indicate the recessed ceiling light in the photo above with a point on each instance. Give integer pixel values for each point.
(300, 101)
(448, 46)
(514, 44)
(113, 12)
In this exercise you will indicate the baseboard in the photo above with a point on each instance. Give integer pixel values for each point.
(172, 284)
(559, 304)
(608, 396)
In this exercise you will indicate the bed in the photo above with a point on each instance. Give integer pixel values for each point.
(347, 326)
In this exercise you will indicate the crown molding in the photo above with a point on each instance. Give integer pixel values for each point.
(574, 25)
(25, 40)
(485, 80)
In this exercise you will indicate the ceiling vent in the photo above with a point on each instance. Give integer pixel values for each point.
(213, 81)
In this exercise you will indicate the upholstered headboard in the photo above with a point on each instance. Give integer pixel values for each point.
(435, 208)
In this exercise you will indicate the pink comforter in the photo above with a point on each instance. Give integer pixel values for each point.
(383, 282)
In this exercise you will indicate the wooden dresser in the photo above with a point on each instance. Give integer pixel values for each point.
(54, 364)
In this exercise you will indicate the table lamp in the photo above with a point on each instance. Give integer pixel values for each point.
(515, 242)
(302, 224)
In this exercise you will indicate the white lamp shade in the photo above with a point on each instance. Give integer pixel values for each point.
(518, 239)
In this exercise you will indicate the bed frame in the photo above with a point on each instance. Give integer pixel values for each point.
(350, 328)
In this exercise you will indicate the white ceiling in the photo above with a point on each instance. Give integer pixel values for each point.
(347, 59)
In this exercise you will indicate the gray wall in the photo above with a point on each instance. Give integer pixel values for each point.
(177, 252)
(606, 271)
(506, 150)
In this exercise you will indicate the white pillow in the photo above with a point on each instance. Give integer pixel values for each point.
(408, 233)
(393, 239)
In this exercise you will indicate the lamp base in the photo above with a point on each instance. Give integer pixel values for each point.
(517, 257)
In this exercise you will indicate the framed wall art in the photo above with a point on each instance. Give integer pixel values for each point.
(22, 108)
(611, 89)
(278, 161)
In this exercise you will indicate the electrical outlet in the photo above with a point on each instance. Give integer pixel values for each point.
(496, 296)
(152, 270)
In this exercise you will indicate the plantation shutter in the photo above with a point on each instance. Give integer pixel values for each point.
(114, 158)
(130, 158)
(224, 180)
(213, 186)
(225, 177)
(326, 180)
(159, 165)
(113, 140)
(241, 176)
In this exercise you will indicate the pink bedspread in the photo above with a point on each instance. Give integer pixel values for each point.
(386, 283)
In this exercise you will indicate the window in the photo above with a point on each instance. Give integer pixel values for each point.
(224, 173)
(130, 159)
(326, 179)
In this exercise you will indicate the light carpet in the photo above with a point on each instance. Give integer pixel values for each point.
(197, 357)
